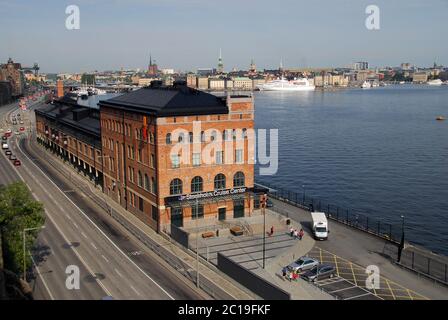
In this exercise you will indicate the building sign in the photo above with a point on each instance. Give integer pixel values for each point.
(216, 193)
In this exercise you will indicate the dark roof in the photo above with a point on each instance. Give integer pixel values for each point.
(76, 119)
(168, 101)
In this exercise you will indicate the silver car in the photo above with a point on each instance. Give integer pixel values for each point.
(302, 264)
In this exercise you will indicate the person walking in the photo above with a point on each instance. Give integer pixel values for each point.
(272, 230)
(291, 232)
(301, 233)
(296, 234)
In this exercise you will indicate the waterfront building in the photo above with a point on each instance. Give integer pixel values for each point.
(217, 84)
(243, 83)
(202, 83)
(191, 80)
(361, 65)
(12, 72)
(420, 77)
(146, 150)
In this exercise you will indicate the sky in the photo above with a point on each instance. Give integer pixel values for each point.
(187, 34)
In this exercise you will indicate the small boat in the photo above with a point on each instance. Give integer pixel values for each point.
(436, 82)
(440, 118)
(366, 85)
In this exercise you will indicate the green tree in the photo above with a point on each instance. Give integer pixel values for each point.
(18, 210)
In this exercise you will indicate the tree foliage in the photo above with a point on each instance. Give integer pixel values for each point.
(18, 210)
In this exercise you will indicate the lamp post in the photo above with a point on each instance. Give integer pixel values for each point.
(263, 206)
(303, 201)
(401, 247)
(24, 248)
(197, 243)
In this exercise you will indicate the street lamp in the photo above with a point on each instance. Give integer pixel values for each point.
(24, 248)
(303, 201)
(401, 247)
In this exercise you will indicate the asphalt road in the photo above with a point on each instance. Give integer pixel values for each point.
(78, 233)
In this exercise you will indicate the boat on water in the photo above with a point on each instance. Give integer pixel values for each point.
(300, 84)
(436, 82)
(366, 85)
(440, 118)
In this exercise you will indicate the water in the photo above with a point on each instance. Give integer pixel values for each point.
(379, 150)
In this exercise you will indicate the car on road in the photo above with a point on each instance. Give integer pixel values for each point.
(12, 157)
(319, 272)
(9, 131)
(5, 146)
(4, 138)
(269, 203)
(8, 152)
(302, 264)
(22, 129)
(17, 163)
(21, 122)
(17, 132)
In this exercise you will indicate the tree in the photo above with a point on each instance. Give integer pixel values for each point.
(18, 210)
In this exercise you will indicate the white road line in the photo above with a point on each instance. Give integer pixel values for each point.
(65, 238)
(41, 278)
(104, 258)
(101, 231)
(84, 235)
(93, 245)
(76, 226)
(361, 295)
(135, 290)
(118, 272)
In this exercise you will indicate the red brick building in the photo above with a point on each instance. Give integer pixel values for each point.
(168, 154)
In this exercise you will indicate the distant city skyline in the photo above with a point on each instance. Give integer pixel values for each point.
(188, 34)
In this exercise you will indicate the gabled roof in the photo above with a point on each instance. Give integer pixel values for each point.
(168, 101)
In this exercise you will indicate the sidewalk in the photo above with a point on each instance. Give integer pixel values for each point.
(211, 281)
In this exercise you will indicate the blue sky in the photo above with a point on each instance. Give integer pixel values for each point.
(187, 34)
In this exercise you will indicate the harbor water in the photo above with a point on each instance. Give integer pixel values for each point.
(380, 151)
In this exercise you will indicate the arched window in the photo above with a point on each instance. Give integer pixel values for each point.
(140, 179)
(180, 139)
(176, 186)
(147, 182)
(168, 138)
(238, 179)
(213, 136)
(220, 181)
(196, 184)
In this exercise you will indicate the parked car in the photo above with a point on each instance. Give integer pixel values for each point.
(12, 157)
(302, 264)
(17, 163)
(319, 272)
(269, 203)
(8, 152)
(4, 138)
(5, 146)
(21, 122)
(22, 129)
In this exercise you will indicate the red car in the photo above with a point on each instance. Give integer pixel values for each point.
(17, 163)
(22, 129)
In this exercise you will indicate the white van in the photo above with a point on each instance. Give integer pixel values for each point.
(320, 225)
(5, 146)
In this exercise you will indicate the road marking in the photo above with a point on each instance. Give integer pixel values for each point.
(98, 228)
(40, 276)
(336, 263)
(76, 226)
(361, 295)
(118, 272)
(135, 290)
(390, 289)
(353, 273)
(93, 245)
(84, 235)
(104, 258)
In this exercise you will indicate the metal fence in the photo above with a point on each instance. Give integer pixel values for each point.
(350, 217)
(426, 265)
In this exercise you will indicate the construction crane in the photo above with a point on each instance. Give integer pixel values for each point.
(35, 67)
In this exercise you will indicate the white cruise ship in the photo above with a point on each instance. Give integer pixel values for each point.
(301, 84)
(436, 82)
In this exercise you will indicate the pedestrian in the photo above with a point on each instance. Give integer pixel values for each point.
(291, 276)
(296, 234)
(301, 233)
(272, 230)
(295, 276)
(291, 232)
(284, 271)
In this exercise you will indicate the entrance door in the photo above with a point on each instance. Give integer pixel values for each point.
(238, 208)
(177, 217)
(222, 214)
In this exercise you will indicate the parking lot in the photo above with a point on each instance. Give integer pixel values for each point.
(350, 284)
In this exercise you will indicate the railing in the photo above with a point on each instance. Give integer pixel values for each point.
(350, 217)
